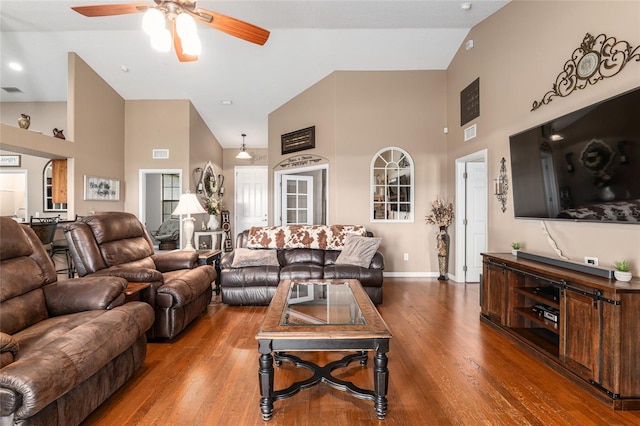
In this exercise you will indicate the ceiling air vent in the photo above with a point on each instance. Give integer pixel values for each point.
(160, 154)
(12, 90)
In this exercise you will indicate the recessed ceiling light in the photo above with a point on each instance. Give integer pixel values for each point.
(226, 102)
(465, 6)
(15, 66)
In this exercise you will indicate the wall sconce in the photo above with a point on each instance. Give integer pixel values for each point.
(197, 177)
(501, 185)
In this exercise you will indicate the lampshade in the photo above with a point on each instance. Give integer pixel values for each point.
(243, 154)
(188, 204)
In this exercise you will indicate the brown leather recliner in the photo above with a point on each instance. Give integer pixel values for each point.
(117, 244)
(65, 346)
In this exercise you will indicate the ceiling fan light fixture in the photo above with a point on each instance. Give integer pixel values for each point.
(152, 21)
(185, 25)
(161, 40)
(191, 45)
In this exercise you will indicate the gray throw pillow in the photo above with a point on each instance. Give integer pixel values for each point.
(358, 251)
(243, 257)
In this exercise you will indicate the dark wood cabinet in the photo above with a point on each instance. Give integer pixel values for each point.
(494, 292)
(581, 349)
(582, 325)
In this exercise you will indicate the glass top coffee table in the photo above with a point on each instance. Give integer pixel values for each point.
(322, 315)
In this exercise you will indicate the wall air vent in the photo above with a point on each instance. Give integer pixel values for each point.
(470, 133)
(160, 154)
(11, 89)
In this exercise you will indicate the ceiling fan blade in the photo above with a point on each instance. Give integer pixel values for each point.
(177, 45)
(111, 9)
(232, 26)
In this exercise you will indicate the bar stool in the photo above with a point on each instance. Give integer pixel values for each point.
(45, 229)
(62, 247)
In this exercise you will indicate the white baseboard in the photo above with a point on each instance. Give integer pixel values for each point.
(416, 275)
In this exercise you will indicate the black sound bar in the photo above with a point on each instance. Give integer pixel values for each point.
(567, 264)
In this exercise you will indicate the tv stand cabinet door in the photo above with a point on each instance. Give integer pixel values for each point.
(494, 293)
(582, 329)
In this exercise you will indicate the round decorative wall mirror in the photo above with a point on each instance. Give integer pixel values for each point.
(209, 181)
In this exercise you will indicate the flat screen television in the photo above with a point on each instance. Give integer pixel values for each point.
(583, 166)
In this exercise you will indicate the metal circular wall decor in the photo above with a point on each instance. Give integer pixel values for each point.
(209, 181)
(597, 58)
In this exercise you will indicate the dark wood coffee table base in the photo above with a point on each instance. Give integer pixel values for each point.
(322, 374)
(322, 315)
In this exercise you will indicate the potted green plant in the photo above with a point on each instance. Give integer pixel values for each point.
(623, 270)
(514, 248)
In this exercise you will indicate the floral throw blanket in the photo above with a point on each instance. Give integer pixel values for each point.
(302, 236)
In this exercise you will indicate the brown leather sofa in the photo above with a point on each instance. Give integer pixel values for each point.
(256, 284)
(117, 244)
(65, 346)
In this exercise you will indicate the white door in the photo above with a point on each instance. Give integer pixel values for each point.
(297, 200)
(476, 219)
(251, 202)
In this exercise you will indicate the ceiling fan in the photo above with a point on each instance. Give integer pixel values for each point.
(175, 20)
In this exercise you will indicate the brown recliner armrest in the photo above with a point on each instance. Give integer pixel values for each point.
(84, 294)
(134, 275)
(174, 260)
(8, 349)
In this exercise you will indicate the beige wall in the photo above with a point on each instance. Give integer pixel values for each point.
(356, 114)
(96, 127)
(518, 53)
(45, 116)
(166, 124)
(154, 125)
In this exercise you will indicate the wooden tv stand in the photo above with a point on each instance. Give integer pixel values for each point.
(583, 326)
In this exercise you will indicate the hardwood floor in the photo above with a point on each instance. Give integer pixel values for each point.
(446, 368)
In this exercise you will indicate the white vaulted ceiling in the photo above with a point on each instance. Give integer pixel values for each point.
(309, 40)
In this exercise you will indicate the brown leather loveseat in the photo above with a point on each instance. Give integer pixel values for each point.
(295, 252)
(117, 244)
(65, 346)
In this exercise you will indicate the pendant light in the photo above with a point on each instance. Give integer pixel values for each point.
(243, 154)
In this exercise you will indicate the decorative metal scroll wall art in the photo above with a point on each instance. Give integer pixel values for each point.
(501, 185)
(597, 58)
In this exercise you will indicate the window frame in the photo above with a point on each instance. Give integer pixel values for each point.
(392, 186)
(47, 191)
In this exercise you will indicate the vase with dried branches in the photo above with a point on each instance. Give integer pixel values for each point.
(442, 216)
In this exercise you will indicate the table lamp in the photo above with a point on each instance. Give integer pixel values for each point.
(188, 204)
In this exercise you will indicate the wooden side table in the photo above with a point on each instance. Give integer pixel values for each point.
(134, 290)
(211, 257)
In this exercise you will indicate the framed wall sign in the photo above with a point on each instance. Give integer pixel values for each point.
(470, 102)
(299, 140)
(102, 189)
(10, 160)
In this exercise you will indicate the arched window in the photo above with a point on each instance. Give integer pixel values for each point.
(392, 186)
(47, 191)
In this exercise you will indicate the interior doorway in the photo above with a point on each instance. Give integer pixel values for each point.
(251, 203)
(318, 177)
(13, 194)
(471, 215)
(150, 190)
